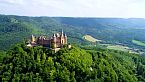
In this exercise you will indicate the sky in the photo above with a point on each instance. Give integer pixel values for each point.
(74, 8)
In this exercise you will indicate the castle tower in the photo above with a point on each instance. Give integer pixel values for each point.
(54, 41)
(33, 39)
(65, 39)
(62, 41)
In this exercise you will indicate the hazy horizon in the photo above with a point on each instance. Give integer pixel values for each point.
(74, 16)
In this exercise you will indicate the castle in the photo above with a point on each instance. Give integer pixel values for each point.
(55, 42)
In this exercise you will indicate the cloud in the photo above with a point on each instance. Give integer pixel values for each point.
(74, 8)
(20, 2)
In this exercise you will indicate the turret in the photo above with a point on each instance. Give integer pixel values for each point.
(65, 35)
(54, 35)
(62, 38)
(65, 38)
(57, 35)
(33, 39)
(62, 35)
(54, 41)
(54, 38)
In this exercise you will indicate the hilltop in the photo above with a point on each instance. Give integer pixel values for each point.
(23, 63)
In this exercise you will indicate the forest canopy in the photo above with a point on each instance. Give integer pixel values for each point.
(23, 63)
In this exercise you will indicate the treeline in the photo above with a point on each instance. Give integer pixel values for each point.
(71, 65)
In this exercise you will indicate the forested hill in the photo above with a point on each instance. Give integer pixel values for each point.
(14, 29)
(138, 23)
(89, 64)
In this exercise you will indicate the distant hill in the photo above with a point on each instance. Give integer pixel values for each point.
(14, 29)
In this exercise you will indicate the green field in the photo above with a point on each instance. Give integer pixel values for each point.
(118, 47)
(122, 48)
(138, 42)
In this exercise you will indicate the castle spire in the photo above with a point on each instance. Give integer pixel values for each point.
(62, 31)
(62, 35)
(65, 35)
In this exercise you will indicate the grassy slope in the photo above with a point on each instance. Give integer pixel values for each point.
(90, 38)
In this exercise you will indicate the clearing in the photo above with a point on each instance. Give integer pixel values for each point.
(90, 38)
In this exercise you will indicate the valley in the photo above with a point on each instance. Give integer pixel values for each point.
(116, 46)
(15, 29)
(103, 49)
(113, 31)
